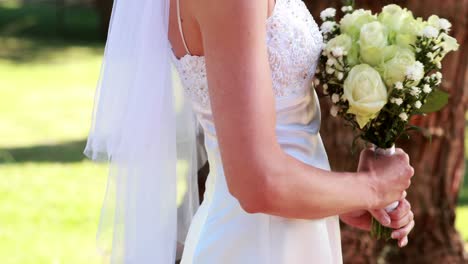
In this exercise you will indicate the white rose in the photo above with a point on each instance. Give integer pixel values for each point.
(373, 43)
(394, 17)
(344, 42)
(394, 70)
(406, 36)
(351, 23)
(365, 92)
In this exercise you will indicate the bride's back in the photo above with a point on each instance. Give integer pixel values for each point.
(189, 26)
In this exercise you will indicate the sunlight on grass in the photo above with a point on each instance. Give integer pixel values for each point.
(51, 212)
(462, 220)
(10, 4)
(462, 210)
(50, 195)
(49, 101)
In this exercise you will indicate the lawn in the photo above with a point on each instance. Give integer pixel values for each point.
(50, 194)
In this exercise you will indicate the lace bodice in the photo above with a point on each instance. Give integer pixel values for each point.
(294, 44)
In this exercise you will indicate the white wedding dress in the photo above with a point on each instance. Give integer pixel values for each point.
(221, 232)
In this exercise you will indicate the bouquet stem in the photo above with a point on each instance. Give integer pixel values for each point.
(378, 231)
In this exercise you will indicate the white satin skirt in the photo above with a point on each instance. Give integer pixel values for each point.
(223, 233)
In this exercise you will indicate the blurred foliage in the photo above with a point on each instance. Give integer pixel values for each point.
(36, 31)
(48, 20)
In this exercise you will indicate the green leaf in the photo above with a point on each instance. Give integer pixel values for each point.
(415, 128)
(435, 101)
(349, 3)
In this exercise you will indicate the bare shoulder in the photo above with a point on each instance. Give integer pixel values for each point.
(227, 25)
(230, 12)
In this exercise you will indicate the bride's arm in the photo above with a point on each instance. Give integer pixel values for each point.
(259, 173)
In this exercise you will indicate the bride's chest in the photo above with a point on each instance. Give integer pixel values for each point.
(294, 44)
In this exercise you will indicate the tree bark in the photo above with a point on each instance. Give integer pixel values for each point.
(439, 165)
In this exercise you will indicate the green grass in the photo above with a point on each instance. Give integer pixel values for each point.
(49, 212)
(50, 196)
(42, 93)
(461, 222)
(462, 210)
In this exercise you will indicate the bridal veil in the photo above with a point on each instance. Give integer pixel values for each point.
(146, 131)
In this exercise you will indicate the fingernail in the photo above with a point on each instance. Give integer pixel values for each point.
(403, 243)
(387, 220)
(394, 235)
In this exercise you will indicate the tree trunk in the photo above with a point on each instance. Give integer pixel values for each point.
(439, 166)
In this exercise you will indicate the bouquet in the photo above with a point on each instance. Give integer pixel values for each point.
(381, 69)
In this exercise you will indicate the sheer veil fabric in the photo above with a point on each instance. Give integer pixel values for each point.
(146, 130)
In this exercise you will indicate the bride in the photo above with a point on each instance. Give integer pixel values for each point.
(246, 69)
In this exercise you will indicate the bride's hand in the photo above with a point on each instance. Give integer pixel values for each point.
(359, 219)
(388, 176)
(402, 220)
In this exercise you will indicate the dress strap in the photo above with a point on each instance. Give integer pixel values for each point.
(179, 20)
